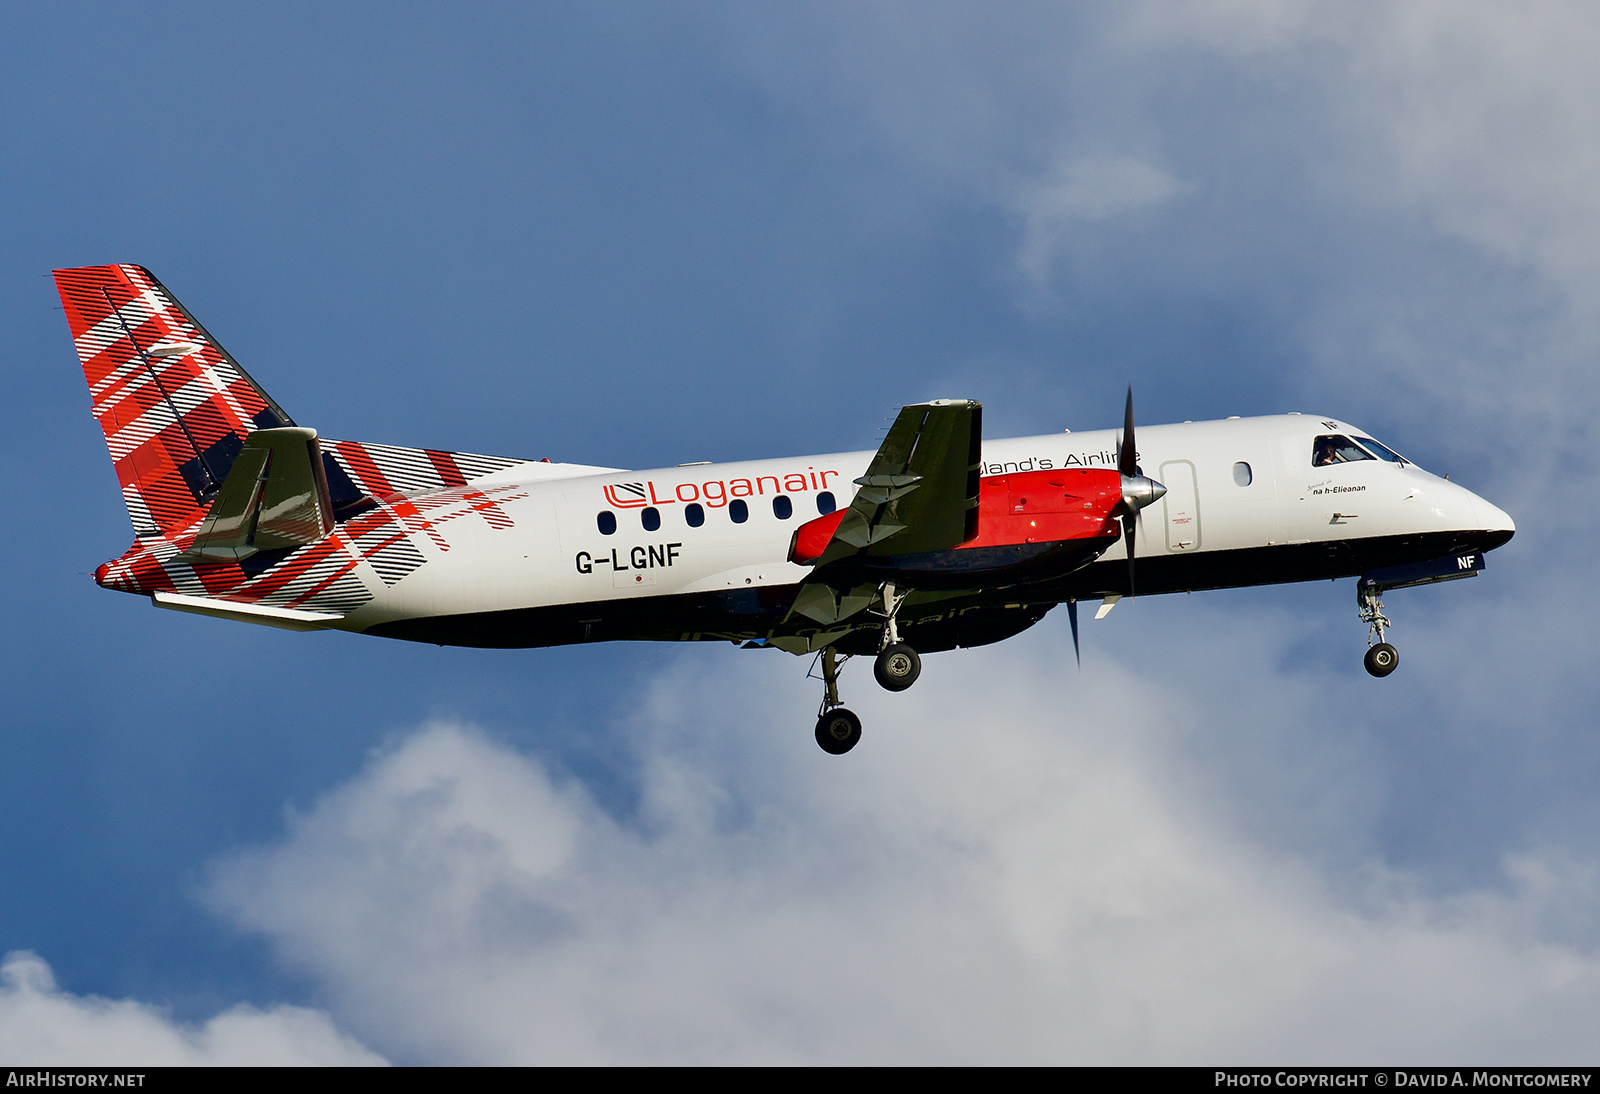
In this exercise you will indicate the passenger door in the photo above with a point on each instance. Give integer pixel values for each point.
(1180, 505)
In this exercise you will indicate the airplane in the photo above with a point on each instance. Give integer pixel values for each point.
(941, 538)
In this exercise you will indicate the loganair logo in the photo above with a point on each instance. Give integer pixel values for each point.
(715, 492)
(626, 495)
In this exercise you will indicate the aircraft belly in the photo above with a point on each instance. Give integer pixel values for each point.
(997, 566)
(933, 623)
(1264, 565)
(736, 614)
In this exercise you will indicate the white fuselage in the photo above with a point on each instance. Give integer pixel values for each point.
(554, 551)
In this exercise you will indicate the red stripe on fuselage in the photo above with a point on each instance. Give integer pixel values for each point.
(366, 470)
(445, 464)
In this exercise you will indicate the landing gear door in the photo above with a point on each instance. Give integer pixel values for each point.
(1180, 505)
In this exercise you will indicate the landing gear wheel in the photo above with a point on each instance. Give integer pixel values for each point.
(838, 731)
(1382, 659)
(897, 667)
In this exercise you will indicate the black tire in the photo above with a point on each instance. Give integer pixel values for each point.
(1382, 659)
(838, 731)
(897, 667)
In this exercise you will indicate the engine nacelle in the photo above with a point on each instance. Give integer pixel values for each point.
(1032, 525)
(1046, 507)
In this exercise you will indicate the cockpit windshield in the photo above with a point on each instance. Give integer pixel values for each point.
(1381, 451)
(1334, 448)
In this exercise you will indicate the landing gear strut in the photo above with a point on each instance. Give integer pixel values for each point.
(898, 665)
(896, 668)
(838, 729)
(1381, 658)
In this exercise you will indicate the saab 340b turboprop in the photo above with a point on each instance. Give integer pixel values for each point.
(939, 539)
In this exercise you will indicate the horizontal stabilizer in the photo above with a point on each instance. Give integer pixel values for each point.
(289, 619)
(275, 495)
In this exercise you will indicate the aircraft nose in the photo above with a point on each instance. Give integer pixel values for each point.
(1491, 518)
(1494, 524)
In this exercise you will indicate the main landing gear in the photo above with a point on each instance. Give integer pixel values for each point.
(1381, 658)
(898, 665)
(838, 729)
(896, 668)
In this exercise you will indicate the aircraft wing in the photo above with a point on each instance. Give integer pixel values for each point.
(920, 492)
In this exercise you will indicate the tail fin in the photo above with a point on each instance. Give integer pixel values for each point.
(174, 406)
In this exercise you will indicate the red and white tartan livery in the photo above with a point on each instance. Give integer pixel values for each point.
(176, 408)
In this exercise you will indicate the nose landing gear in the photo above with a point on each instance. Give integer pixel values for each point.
(1381, 658)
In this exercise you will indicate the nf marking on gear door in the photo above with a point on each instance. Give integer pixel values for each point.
(1181, 505)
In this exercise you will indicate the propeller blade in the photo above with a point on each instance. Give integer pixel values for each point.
(1127, 452)
(1138, 491)
(1128, 467)
(1072, 617)
(1130, 522)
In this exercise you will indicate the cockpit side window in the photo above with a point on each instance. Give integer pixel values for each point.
(1334, 448)
(1382, 451)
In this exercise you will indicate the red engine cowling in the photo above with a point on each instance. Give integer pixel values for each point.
(1046, 507)
(812, 537)
(1031, 525)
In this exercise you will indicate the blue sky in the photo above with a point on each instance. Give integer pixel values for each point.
(638, 234)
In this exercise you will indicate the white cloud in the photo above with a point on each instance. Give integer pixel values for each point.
(1085, 190)
(41, 1025)
(1477, 116)
(1482, 115)
(1011, 868)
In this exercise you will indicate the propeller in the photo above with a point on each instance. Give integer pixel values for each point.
(1137, 490)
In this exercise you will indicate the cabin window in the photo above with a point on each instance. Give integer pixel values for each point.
(1329, 450)
(738, 511)
(1241, 474)
(651, 519)
(607, 522)
(693, 515)
(782, 507)
(1381, 451)
(825, 502)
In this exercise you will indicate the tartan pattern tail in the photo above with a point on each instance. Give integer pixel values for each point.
(173, 405)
